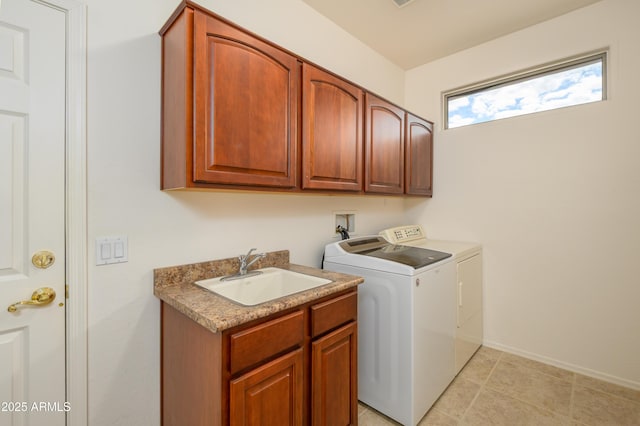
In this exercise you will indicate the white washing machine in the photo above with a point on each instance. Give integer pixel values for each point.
(468, 259)
(406, 323)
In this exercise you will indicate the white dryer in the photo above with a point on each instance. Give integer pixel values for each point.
(468, 260)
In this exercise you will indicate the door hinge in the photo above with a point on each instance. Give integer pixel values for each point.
(66, 291)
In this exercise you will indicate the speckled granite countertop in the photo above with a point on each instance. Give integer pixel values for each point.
(175, 286)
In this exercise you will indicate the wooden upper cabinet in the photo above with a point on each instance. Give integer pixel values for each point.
(177, 101)
(332, 112)
(246, 107)
(419, 156)
(384, 146)
(237, 97)
(240, 112)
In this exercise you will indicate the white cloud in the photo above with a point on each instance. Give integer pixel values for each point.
(458, 103)
(458, 121)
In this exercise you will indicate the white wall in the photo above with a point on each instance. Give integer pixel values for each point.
(550, 196)
(553, 196)
(169, 228)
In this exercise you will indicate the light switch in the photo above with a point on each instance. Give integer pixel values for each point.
(118, 249)
(105, 250)
(112, 250)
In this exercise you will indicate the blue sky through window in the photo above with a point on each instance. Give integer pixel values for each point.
(573, 86)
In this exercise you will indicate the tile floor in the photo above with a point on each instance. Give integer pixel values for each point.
(497, 388)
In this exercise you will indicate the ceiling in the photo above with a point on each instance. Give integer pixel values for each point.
(424, 30)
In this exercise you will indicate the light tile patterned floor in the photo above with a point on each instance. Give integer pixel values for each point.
(499, 389)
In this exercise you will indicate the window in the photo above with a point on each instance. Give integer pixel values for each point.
(571, 82)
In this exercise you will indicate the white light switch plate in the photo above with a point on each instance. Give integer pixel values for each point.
(112, 250)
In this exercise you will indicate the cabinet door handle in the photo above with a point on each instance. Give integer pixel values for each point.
(460, 293)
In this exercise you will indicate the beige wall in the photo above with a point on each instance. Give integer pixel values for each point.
(173, 228)
(552, 196)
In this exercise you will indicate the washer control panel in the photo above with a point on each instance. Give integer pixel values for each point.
(404, 234)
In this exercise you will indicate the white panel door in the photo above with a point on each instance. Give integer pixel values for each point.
(32, 213)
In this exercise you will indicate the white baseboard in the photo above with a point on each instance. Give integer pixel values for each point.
(560, 364)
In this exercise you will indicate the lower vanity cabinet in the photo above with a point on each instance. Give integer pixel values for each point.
(297, 367)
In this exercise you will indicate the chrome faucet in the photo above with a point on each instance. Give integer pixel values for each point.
(243, 261)
(244, 265)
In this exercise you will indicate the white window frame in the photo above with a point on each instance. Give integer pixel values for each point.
(600, 55)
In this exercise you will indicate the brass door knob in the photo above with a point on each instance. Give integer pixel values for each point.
(43, 259)
(40, 297)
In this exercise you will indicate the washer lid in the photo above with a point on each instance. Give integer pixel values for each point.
(378, 247)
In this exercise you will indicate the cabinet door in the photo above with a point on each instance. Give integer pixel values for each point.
(270, 395)
(246, 108)
(384, 147)
(334, 394)
(419, 156)
(331, 132)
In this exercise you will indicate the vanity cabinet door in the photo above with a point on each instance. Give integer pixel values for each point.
(384, 146)
(334, 379)
(246, 107)
(419, 156)
(269, 395)
(331, 131)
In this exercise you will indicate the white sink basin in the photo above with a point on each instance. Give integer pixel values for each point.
(271, 284)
